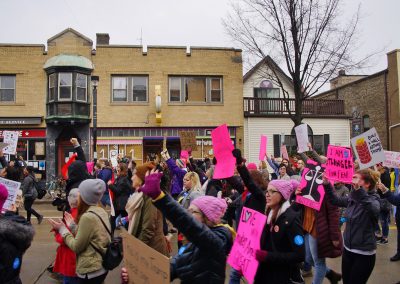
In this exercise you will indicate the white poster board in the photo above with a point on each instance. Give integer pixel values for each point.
(392, 159)
(302, 137)
(113, 158)
(11, 138)
(368, 149)
(12, 188)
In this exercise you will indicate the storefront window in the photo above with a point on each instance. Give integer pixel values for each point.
(37, 150)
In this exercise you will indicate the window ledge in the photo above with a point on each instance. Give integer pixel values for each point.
(195, 104)
(129, 103)
(11, 104)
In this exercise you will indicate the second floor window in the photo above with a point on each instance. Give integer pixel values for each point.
(195, 89)
(129, 88)
(65, 86)
(7, 88)
(81, 87)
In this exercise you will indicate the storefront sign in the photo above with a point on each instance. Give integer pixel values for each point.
(20, 120)
(28, 133)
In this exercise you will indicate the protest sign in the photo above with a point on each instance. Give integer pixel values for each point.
(368, 149)
(10, 138)
(3, 145)
(144, 264)
(222, 145)
(113, 158)
(12, 188)
(312, 190)
(247, 241)
(392, 159)
(263, 148)
(284, 152)
(188, 140)
(302, 137)
(339, 164)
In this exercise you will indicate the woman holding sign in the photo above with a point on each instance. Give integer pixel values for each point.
(362, 214)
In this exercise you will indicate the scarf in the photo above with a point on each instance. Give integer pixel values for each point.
(134, 208)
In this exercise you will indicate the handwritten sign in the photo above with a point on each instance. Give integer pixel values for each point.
(312, 190)
(12, 188)
(222, 145)
(144, 264)
(11, 138)
(188, 140)
(339, 165)
(247, 241)
(284, 152)
(302, 137)
(392, 159)
(368, 149)
(263, 148)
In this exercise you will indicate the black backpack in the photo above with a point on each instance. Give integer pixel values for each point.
(113, 256)
(40, 191)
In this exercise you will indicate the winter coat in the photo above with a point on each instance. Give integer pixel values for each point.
(65, 262)
(16, 236)
(385, 179)
(284, 243)
(203, 260)
(105, 174)
(177, 177)
(362, 214)
(91, 232)
(186, 197)
(148, 227)
(28, 187)
(213, 187)
(77, 172)
(122, 189)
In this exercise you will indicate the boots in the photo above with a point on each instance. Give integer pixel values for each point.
(333, 277)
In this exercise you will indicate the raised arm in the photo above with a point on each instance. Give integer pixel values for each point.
(333, 198)
(78, 149)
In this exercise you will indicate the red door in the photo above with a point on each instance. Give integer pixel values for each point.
(65, 150)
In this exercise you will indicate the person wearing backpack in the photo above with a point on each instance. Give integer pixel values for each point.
(92, 236)
(30, 194)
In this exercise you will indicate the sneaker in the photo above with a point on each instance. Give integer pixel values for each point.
(306, 273)
(383, 241)
(40, 219)
(333, 277)
(396, 257)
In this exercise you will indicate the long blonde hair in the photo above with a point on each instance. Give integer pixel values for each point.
(194, 178)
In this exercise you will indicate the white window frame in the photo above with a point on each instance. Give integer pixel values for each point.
(76, 87)
(55, 87)
(15, 83)
(59, 83)
(180, 88)
(112, 88)
(220, 89)
(147, 88)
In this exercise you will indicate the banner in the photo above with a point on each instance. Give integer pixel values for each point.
(222, 146)
(263, 148)
(12, 188)
(392, 159)
(188, 140)
(312, 190)
(302, 137)
(339, 164)
(247, 241)
(368, 149)
(11, 138)
(144, 264)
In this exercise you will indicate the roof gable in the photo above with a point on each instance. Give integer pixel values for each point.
(86, 40)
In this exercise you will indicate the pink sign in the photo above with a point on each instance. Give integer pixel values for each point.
(247, 241)
(339, 166)
(312, 190)
(185, 155)
(90, 166)
(284, 152)
(222, 147)
(263, 148)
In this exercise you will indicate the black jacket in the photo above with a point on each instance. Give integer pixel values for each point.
(285, 248)
(122, 188)
(204, 259)
(213, 187)
(15, 238)
(77, 172)
(362, 214)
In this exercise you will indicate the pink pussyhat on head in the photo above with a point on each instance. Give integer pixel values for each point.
(3, 195)
(251, 166)
(184, 155)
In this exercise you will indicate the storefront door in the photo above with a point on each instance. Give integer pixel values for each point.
(65, 151)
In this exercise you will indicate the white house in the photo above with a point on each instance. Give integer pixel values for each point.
(265, 114)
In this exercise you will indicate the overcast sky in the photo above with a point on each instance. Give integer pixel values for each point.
(171, 22)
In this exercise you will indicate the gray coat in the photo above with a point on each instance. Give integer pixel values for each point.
(28, 187)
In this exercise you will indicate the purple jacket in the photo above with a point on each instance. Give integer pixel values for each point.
(177, 177)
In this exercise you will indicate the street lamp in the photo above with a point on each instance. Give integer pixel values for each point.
(95, 83)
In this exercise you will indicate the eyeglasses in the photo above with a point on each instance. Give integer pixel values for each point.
(271, 191)
(194, 212)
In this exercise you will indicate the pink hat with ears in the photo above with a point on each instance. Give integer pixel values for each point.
(212, 207)
(184, 155)
(3, 195)
(285, 187)
(251, 166)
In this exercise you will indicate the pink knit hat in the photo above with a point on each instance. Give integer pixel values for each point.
(252, 166)
(285, 187)
(3, 195)
(214, 208)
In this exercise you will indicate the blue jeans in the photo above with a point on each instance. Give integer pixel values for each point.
(235, 276)
(312, 258)
(385, 219)
(70, 280)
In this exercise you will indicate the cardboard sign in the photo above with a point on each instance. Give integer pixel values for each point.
(263, 148)
(247, 241)
(222, 145)
(12, 188)
(312, 190)
(284, 152)
(11, 138)
(339, 165)
(392, 159)
(188, 140)
(302, 137)
(144, 264)
(368, 149)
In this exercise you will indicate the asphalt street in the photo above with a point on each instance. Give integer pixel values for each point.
(43, 250)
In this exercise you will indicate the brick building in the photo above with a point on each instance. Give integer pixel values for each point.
(143, 95)
(371, 101)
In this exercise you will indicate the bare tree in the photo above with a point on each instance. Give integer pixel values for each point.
(308, 35)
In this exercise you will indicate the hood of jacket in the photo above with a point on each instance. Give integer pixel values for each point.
(15, 230)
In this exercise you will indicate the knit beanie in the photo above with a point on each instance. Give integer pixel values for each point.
(3, 195)
(73, 197)
(252, 166)
(92, 190)
(212, 207)
(285, 187)
(143, 169)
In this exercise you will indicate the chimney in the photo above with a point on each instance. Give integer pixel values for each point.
(102, 39)
(342, 72)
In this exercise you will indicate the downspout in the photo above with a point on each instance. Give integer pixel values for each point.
(387, 115)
